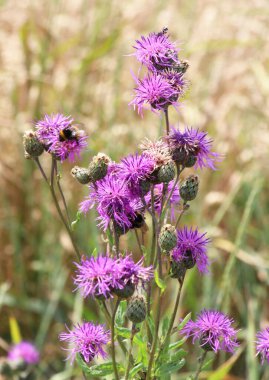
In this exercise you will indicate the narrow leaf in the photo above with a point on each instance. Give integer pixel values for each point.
(160, 283)
(14, 330)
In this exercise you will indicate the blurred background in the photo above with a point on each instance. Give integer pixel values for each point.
(72, 56)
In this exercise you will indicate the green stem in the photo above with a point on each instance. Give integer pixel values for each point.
(130, 352)
(167, 121)
(185, 207)
(52, 190)
(62, 195)
(113, 339)
(138, 241)
(116, 240)
(173, 316)
(199, 369)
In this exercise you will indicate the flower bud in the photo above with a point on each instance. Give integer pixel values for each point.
(126, 292)
(177, 269)
(98, 167)
(81, 175)
(144, 187)
(32, 145)
(136, 310)
(167, 238)
(189, 188)
(166, 172)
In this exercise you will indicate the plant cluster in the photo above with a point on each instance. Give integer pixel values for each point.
(147, 193)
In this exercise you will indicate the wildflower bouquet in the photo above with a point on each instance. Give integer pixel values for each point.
(147, 193)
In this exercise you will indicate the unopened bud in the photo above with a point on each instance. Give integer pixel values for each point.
(81, 175)
(167, 238)
(166, 172)
(32, 145)
(98, 166)
(177, 269)
(189, 188)
(136, 310)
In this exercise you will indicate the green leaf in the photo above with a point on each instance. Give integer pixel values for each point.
(177, 344)
(165, 325)
(74, 223)
(183, 323)
(160, 283)
(136, 369)
(14, 330)
(170, 367)
(101, 370)
(120, 316)
(123, 331)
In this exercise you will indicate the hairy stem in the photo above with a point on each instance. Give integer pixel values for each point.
(116, 240)
(201, 362)
(138, 241)
(185, 207)
(113, 339)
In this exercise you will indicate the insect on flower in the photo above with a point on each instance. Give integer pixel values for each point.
(71, 133)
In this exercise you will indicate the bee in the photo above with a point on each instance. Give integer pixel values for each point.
(70, 133)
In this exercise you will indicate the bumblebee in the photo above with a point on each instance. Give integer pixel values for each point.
(70, 133)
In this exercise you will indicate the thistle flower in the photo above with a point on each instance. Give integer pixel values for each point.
(60, 136)
(158, 151)
(191, 249)
(214, 331)
(176, 79)
(97, 276)
(25, 351)
(156, 91)
(262, 344)
(134, 169)
(192, 143)
(87, 339)
(156, 51)
(112, 199)
(134, 272)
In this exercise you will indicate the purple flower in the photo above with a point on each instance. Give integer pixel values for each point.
(214, 331)
(262, 344)
(87, 339)
(100, 276)
(176, 80)
(192, 142)
(25, 351)
(113, 202)
(97, 276)
(191, 248)
(60, 136)
(156, 51)
(156, 91)
(132, 272)
(134, 169)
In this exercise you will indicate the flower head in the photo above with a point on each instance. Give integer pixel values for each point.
(156, 51)
(112, 198)
(156, 91)
(134, 272)
(192, 142)
(191, 248)
(97, 276)
(214, 331)
(134, 169)
(158, 151)
(262, 344)
(60, 136)
(25, 351)
(87, 339)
